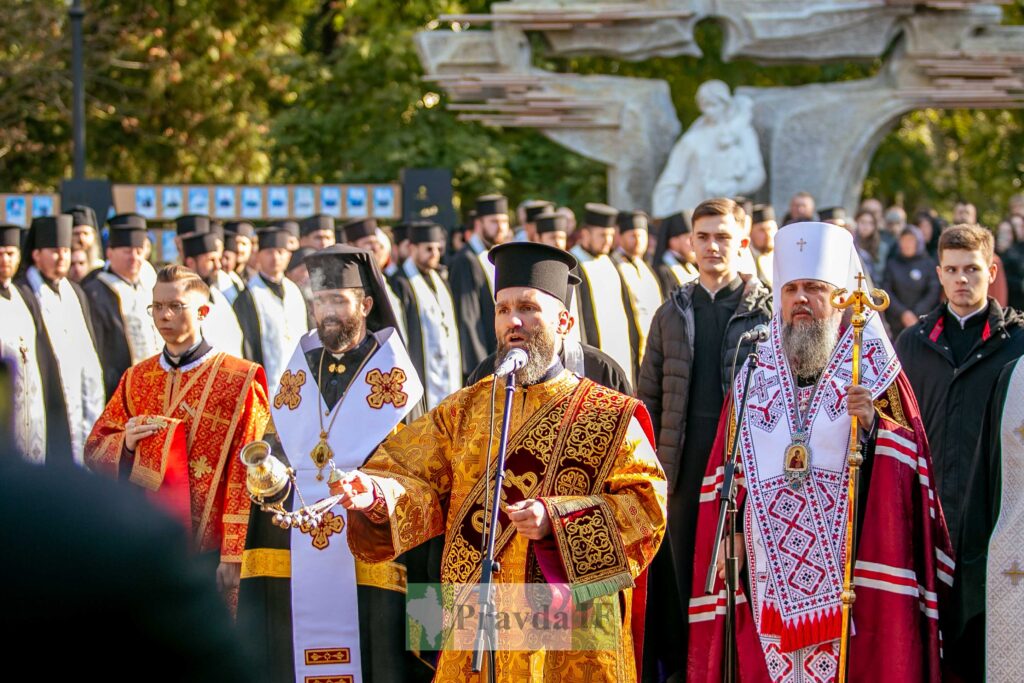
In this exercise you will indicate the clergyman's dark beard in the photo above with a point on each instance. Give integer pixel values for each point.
(808, 345)
(540, 349)
(340, 337)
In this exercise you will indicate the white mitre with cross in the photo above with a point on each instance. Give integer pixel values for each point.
(819, 251)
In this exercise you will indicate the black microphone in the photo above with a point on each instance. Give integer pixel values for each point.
(756, 334)
(515, 360)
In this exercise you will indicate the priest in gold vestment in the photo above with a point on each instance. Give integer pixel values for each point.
(584, 493)
(176, 424)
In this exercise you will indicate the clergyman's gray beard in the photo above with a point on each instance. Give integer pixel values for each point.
(540, 349)
(809, 345)
(339, 337)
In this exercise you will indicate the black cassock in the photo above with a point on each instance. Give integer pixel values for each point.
(249, 321)
(965, 627)
(265, 603)
(598, 367)
(108, 328)
(58, 432)
(474, 307)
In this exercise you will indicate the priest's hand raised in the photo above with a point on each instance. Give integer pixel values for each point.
(138, 428)
(859, 403)
(355, 489)
(531, 518)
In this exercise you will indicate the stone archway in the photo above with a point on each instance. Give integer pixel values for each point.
(819, 137)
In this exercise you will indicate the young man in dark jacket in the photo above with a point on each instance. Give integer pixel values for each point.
(683, 379)
(953, 357)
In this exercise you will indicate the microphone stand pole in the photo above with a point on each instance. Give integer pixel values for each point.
(487, 631)
(727, 518)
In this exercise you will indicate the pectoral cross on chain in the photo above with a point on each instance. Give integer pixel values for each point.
(1015, 574)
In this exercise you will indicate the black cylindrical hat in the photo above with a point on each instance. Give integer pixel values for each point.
(83, 215)
(127, 236)
(128, 221)
(531, 264)
(273, 238)
(631, 220)
(490, 205)
(675, 225)
(421, 232)
(51, 232)
(199, 243)
(597, 215)
(290, 227)
(240, 228)
(190, 223)
(320, 221)
(551, 222)
(536, 207)
(10, 236)
(358, 229)
(762, 213)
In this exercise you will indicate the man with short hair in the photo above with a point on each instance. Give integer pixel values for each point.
(953, 356)
(792, 495)
(583, 500)
(429, 309)
(79, 267)
(177, 422)
(762, 240)
(674, 260)
(125, 333)
(801, 208)
(309, 607)
(18, 339)
(683, 381)
(471, 277)
(68, 363)
(638, 279)
(201, 254)
(964, 212)
(271, 311)
(317, 231)
(600, 298)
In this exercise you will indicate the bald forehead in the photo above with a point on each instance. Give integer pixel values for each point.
(807, 284)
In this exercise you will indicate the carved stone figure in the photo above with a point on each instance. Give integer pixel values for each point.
(719, 156)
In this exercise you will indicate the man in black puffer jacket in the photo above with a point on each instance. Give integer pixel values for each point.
(686, 367)
(953, 357)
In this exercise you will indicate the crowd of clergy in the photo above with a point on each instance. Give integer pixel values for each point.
(657, 310)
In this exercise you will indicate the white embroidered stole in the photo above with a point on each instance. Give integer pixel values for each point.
(18, 343)
(140, 332)
(81, 376)
(282, 323)
(323, 581)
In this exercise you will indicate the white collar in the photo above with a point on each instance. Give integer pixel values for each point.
(963, 320)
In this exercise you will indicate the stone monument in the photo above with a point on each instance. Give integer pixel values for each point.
(718, 156)
(818, 137)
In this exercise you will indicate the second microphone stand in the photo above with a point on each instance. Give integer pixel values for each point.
(726, 527)
(487, 629)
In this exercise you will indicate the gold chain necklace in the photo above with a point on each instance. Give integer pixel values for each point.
(322, 453)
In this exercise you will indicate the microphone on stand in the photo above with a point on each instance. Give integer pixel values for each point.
(756, 334)
(514, 360)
